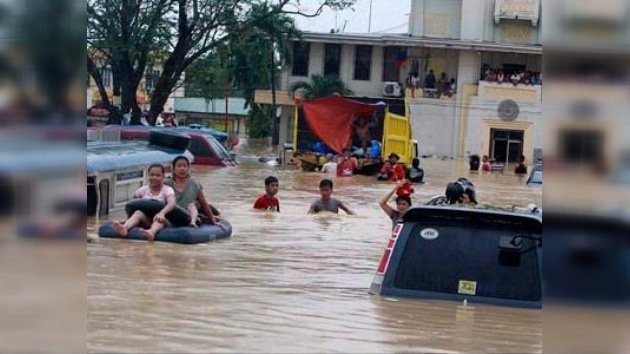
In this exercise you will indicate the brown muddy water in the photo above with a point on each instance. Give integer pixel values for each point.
(291, 282)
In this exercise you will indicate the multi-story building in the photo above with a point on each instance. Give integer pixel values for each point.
(462, 39)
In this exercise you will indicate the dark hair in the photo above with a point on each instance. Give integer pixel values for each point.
(269, 180)
(181, 157)
(393, 154)
(403, 198)
(157, 165)
(454, 191)
(326, 183)
(415, 162)
(457, 189)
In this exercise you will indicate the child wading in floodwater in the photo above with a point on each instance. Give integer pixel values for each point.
(268, 201)
(327, 202)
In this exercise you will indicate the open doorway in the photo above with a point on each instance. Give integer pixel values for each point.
(506, 146)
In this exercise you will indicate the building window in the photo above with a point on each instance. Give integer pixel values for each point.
(106, 76)
(150, 80)
(301, 53)
(582, 146)
(362, 62)
(332, 59)
(392, 59)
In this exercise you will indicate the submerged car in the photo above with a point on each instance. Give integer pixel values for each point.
(535, 177)
(206, 149)
(462, 253)
(116, 169)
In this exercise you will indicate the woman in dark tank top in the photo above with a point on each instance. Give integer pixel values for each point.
(188, 192)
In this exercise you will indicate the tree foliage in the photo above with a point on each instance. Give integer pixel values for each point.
(179, 32)
(320, 86)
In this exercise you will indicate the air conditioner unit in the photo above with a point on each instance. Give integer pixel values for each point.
(392, 89)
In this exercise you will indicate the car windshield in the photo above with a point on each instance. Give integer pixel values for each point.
(218, 148)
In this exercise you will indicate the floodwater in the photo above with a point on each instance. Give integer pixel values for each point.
(291, 282)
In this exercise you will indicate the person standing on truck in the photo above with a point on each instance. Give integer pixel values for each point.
(347, 164)
(331, 164)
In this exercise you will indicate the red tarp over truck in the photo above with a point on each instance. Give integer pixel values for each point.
(330, 119)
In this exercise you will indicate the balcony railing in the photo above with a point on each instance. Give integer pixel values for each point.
(501, 91)
(517, 10)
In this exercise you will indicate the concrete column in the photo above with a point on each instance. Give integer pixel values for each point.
(416, 18)
(473, 16)
(467, 74)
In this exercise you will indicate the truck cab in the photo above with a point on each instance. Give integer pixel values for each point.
(464, 253)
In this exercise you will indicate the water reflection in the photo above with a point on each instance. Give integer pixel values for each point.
(291, 282)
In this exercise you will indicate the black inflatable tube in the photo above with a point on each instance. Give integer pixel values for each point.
(178, 216)
(185, 235)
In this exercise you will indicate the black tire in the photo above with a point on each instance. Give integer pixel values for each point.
(169, 139)
(178, 216)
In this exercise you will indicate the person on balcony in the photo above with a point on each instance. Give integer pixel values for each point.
(429, 80)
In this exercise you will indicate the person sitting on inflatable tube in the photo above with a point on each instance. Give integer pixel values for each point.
(155, 190)
(189, 193)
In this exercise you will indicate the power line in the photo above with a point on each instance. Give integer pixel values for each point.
(391, 28)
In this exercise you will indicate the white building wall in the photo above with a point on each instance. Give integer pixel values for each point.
(315, 66)
(468, 74)
(481, 109)
(371, 88)
(473, 19)
(433, 124)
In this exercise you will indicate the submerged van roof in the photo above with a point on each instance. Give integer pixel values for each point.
(111, 156)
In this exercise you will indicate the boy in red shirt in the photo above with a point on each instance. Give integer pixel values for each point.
(268, 201)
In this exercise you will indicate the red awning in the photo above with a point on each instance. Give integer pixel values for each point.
(330, 119)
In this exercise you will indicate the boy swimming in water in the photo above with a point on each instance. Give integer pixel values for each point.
(327, 202)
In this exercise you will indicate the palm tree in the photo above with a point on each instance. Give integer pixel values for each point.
(320, 86)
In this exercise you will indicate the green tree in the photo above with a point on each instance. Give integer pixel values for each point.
(254, 62)
(126, 34)
(320, 86)
(181, 30)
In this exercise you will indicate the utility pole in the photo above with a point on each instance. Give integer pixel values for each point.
(275, 138)
(370, 19)
(226, 94)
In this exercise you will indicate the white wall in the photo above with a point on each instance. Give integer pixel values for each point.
(481, 109)
(373, 87)
(433, 125)
(436, 18)
(473, 19)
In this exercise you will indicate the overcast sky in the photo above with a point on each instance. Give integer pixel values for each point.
(388, 16)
